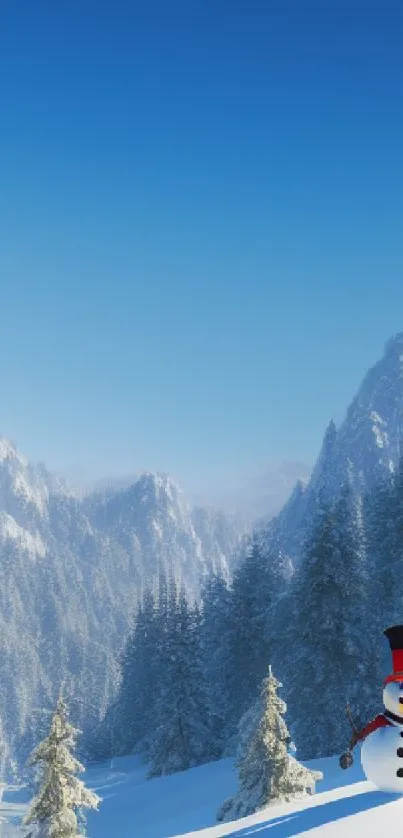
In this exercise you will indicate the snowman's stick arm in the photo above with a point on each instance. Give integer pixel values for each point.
(358, 736)
(346, 759)
(375, 724)
(356, 733)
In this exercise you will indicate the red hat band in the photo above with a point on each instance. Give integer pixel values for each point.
(395, 638)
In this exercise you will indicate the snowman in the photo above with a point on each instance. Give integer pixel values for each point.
(382, 738)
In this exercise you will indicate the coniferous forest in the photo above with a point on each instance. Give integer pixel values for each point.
(190, 671)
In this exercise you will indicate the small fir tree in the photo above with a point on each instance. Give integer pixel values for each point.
(268, 774)
(57, 809)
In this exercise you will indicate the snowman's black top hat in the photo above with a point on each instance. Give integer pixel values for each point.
(395, 638)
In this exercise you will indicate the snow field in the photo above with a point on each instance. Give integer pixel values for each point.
(185, 805)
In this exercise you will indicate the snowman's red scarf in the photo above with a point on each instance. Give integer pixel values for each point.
(371, 727)
(393, 717)
(382, 720)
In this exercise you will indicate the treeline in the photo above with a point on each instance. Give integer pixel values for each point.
(190, 672)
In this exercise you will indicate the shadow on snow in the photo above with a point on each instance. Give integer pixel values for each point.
(296, 822)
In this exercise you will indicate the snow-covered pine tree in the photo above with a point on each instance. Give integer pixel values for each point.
(325, 639)
(129, 720)
(181, 735)
(57, 809)
(268, 774)
(386, 542)
(256, 586)
(384, 527)
(216, 659)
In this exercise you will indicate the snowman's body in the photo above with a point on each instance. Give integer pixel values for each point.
(382, 738)
(382, 757)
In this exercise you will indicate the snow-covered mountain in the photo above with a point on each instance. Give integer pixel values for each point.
(71, 570)
(363, 451)
(83, 488)
(368, 444)
(260, 497)
(152, 521)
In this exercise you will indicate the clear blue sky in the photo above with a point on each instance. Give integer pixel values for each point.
(201, 207)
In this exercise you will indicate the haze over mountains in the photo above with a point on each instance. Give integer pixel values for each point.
(260, 496)
(263, 495)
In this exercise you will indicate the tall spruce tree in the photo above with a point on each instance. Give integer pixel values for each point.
(57, 809)
(268, 774)
(386, 539)
(130, 719)
(216, 659)
(255, 589)
(327, 653)
(181, 735)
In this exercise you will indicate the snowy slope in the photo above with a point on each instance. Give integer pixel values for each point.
(348, 811)
(184, 805)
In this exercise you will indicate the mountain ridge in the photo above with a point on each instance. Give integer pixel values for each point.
(362, 452)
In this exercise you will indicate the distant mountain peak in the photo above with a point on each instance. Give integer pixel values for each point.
(158, 482)
(362, 452)
(21, 483)
(8, 451)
